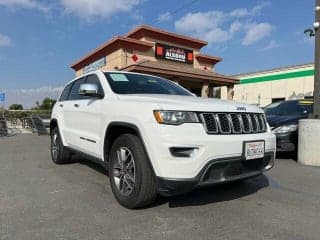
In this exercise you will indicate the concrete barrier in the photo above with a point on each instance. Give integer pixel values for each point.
(309, 142)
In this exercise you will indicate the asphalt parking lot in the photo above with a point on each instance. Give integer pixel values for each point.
(40, 200)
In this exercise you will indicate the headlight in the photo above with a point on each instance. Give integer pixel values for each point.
(285, 128)
(175, 117)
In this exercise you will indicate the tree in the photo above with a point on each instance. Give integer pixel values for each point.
(16, 107)
(47, 104)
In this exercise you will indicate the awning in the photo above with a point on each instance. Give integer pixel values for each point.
(170, 70)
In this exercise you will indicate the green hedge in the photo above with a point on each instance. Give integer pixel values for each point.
(20, 114)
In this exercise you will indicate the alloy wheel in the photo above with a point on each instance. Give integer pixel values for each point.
(124, 171)
(55, 146)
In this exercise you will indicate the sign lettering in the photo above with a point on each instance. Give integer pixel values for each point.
(173, 53)
(95, 65)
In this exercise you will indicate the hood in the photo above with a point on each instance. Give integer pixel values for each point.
(190, 103)
(278, 120)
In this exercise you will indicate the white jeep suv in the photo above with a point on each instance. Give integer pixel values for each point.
(155, 137)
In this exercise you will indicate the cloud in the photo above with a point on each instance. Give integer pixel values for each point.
(81, 8)
(29, 4)
(200, 22)
(245, 12)
(255, 32)
(239, 12)
(164, 17)
(28, 97)
(220, 27)
(256, 10)
(4, 40)
(97, 8)
(236, 26)
(271, 45)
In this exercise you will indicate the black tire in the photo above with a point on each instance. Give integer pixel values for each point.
(59, 154)
(144, 190)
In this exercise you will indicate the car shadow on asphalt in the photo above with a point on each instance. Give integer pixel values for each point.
(91, 164)
(215, 194)
(201, 196)
(287, 156)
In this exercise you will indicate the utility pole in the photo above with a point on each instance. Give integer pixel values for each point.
(309, 129)
(316, 92)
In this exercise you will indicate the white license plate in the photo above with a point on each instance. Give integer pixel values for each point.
(254, 150)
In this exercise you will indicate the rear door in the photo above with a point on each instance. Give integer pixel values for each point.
(60, 108)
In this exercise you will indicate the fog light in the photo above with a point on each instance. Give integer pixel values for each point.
(183, 151)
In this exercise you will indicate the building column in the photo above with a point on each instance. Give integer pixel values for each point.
(230, 92)
(210, 95)
(205, 90)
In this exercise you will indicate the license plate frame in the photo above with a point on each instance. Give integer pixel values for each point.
(253, 149)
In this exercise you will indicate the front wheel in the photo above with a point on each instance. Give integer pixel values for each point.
(59, 154)
(131, 177)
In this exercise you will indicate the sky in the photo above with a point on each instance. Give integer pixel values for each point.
(39, 39)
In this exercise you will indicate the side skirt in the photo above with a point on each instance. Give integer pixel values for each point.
(89, 157)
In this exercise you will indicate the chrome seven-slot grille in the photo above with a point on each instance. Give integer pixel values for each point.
(234, 123)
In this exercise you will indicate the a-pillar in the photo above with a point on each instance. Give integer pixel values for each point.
(205, 89)
(230, 92)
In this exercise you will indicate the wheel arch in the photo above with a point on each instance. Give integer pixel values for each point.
(117, 128)
(54, 123)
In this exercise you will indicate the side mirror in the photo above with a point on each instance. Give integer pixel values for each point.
(89, 89)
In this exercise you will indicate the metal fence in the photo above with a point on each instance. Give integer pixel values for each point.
(16, 122)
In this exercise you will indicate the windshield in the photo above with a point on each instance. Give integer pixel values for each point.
(289, 108)
(126, 83)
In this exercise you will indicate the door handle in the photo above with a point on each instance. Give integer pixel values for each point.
(76, 105)
(61, 105)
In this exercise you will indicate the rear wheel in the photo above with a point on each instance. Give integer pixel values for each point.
(59, 154)
(131, 176)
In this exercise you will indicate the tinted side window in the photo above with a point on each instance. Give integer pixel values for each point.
(95, 80)
(75, 89)
(65, 93)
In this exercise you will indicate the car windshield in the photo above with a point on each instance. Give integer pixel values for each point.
(126, 83)
(289, 108)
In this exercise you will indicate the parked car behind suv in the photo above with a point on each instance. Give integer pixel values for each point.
(155, 137)
(283, 118)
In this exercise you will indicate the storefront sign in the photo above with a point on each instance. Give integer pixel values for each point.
(173, 53)
(95, 65)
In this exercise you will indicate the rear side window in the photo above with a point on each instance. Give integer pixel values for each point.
(74, 93)
(65, 93)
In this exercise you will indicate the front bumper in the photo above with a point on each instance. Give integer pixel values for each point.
(159, 139)
(217, 171)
